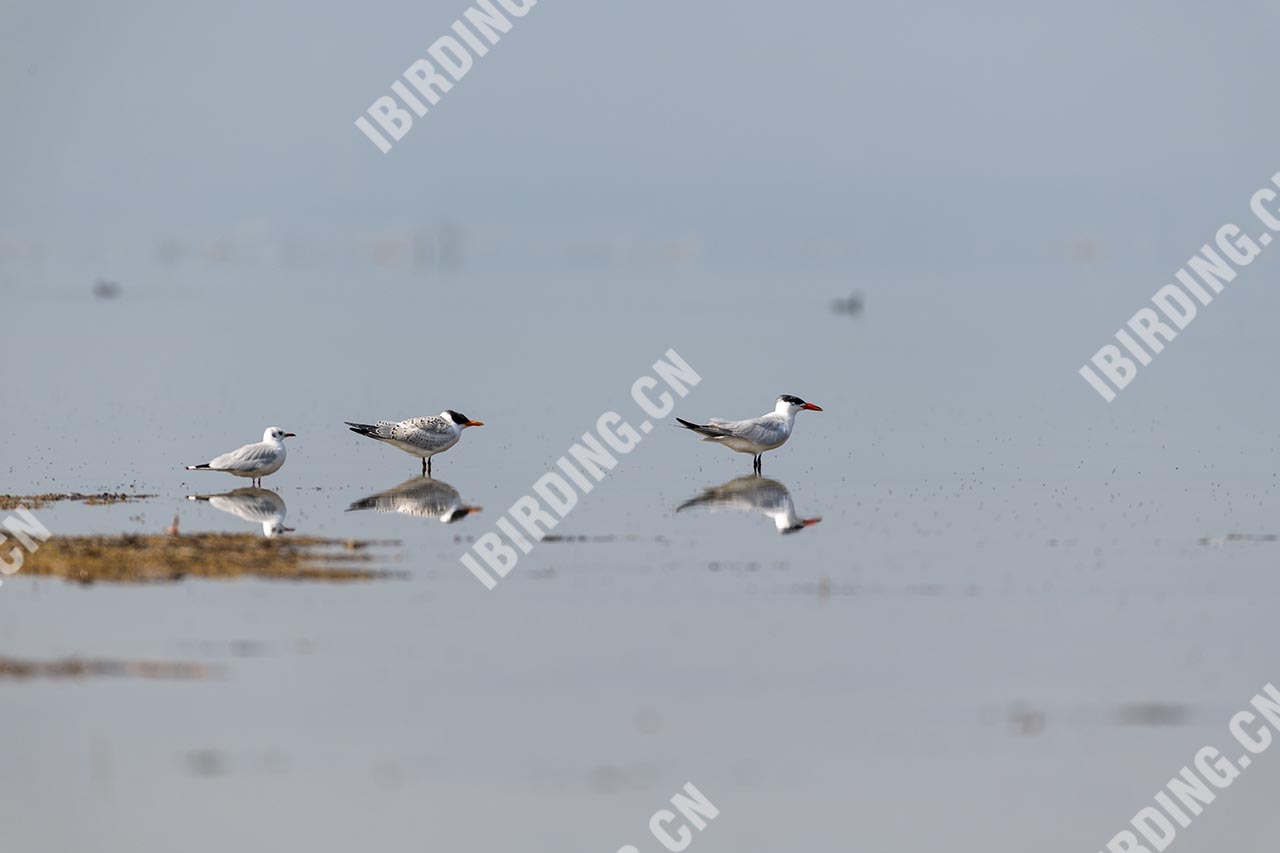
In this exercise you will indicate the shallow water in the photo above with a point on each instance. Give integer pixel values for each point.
(1005, 620)
(1023, 609)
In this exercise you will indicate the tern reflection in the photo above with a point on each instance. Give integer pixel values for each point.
(261, 506)
(419, 496)
(753, 494)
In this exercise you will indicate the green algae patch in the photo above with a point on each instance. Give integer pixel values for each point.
(137, 558)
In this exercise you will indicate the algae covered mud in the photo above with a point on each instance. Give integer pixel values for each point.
(174, 555)
(133, 558)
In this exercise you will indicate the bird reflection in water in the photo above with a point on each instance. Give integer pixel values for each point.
(753, 494)
(422, 497)
(261, 506)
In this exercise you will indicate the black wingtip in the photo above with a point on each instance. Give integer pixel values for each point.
(688, 425)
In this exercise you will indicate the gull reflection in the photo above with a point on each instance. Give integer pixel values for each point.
(420, 496)
(261, 506)
(753, 494)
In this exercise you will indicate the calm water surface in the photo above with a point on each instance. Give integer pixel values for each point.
(1003, 634)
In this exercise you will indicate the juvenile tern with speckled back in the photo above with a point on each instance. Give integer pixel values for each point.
(421, 437)
(253, 460)
(754, 435)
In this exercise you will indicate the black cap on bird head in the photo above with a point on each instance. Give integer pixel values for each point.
(461, 419)
(793, 400)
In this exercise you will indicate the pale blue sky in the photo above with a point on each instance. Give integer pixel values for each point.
(160, 113)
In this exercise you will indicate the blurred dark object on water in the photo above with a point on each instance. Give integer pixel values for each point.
(1152, 714)
(851, 307)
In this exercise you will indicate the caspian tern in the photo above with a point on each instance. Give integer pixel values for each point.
(754, 435)
(253, 460)
(421, 437)
(754, 493)
(422, 497)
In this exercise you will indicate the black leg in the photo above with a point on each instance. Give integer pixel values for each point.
(424, 466)
(428, 466)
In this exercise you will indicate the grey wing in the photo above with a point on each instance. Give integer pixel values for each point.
(426, 433)
(754, 430)
(717, 428)
(248, 458)
(382, 429)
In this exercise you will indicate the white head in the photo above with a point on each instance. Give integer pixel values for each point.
(271, 528)
(789, 404)
(459, 419)
(275, 435)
